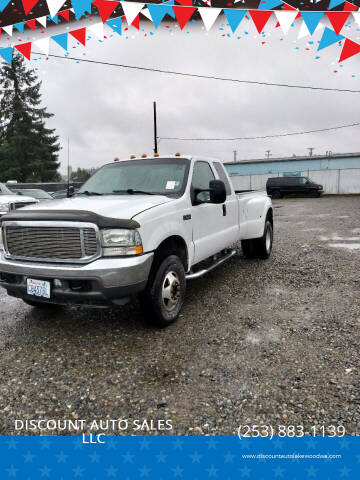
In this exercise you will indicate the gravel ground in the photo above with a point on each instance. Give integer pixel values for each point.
(260, 342)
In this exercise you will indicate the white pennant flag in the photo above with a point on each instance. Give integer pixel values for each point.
(97, 29)
(43, 44)
(209, 16)
(304, 32)
(54, 6)
(356, 17)
(8, 29)
(286, 19)
(146, 13)
(42, 21)
(131, 10)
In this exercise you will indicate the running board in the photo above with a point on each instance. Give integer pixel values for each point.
(200, 273)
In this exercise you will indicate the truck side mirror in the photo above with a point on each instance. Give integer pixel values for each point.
(217, 191)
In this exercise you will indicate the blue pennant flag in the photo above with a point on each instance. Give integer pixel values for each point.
(158, 12)
(269, 4)
(234, 17)
(6, 54)
(80, 7)
(335, 3)
(311, 20)
(115, 24)
(329, 38)
(61, 39)
(3, 4)
(54, 19)
(20, 26)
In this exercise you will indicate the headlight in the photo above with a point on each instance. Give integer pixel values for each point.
(4, 207)
(121, 241)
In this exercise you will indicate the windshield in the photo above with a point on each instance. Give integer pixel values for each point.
(4, 190)
(162, 176)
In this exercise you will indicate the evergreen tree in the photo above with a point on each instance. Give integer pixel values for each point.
(28, 149)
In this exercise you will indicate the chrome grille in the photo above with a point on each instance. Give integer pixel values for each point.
(60, 243)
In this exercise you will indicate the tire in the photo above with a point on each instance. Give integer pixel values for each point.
(276, 194)
(259, 247)
(263, 245)
(164, 296)
(314, 194)
(43, 305)
(248, 248)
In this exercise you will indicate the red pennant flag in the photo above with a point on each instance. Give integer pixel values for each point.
(31, 24)
(183, 15)
(337, 20)
(28, 5)
(350, 49)
(186, 3)
(24, 49)
(64, 14)
(349, 7)
(105, 7)
(79, 35)
(136, 22)
(260, 18)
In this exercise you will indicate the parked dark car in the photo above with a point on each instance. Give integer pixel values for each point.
(33, 192)
(277, 187)
(62, 193)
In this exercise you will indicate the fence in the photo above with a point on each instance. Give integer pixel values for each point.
(339, 181)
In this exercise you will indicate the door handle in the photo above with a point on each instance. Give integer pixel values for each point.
(224, 210)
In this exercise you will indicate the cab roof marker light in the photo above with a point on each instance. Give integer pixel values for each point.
(116, 159)
(156, 154)
(132, 157)
(143, 155)
(177, 154)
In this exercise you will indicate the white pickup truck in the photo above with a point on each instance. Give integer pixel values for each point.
(137, 226)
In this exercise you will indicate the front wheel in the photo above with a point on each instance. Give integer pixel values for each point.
(164, 296)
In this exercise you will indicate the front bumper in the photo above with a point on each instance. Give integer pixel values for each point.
(103, 282)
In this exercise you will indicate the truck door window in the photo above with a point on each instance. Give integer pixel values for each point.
(220, 171)
(202, 175)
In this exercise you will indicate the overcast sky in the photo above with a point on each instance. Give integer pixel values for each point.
(107, 112)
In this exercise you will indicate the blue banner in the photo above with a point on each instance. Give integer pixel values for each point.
(167, 457)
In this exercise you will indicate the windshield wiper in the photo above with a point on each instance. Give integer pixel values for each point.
(131, 191)
(86, 192)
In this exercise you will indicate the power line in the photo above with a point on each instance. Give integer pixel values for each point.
(263, 136)
(198, 75)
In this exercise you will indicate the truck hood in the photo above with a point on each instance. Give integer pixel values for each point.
(114, 206)
(16, 199)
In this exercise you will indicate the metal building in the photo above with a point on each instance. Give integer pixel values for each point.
(338, 173)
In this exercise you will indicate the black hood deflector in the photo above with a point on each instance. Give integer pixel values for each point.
(70, 216)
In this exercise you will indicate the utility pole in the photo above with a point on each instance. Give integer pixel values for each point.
(155, 130)
(268, 153)
(311, 151)
(68, 167)
(235, 153)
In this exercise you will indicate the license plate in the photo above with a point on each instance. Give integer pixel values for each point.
(39, 288)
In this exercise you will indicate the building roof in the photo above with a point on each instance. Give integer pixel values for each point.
(295, 158)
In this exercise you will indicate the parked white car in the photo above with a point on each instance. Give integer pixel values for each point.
(141, 226)
(11, 201)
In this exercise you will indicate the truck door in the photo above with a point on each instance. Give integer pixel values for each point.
(207, 218)
(229, 222)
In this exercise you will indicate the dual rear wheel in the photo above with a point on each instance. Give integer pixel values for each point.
(259, 247)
